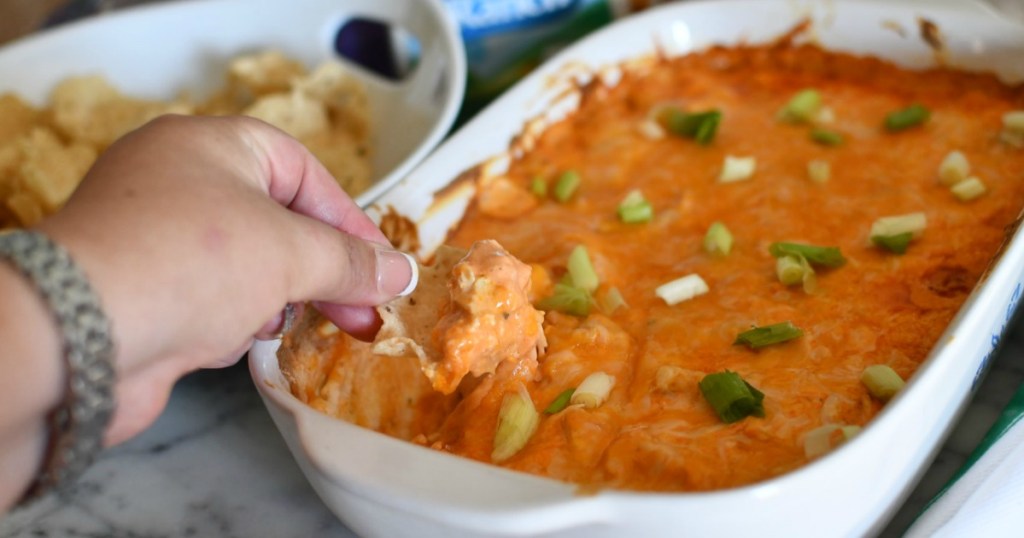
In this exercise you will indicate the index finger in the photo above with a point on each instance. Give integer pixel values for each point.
(298, 181)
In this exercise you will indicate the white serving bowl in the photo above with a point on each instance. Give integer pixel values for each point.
(385, 487)
(158, 51)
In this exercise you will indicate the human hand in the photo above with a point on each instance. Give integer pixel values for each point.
(196, 232)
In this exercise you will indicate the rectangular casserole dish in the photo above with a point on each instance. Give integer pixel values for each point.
(386, 487)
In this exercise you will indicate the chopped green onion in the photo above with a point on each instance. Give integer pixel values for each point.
(1013, 128)
(895, 233)
(560, 402)
(897, 243)
(778, 333)
(849, 432)
(567, 299)
(538, 187)
(911, 116)
(826, 137)
(792, 269)
(1013, 121)
(633, 197)
(651, 129)
(682, 289)
(802, 108)
(718, 239)
(1012, 139)
(594, 390)
(566, 186)
(708, 127)
(731, 397)
(612, 301)
(517, 420)
(737, 169)
(826, 256)
(882, 381)
(819, 171)
(822, 440)
(636, 214)
(911, 222)
(954, 168)
(581, 270)
(968, 189)
(825, 116)
(700, 126)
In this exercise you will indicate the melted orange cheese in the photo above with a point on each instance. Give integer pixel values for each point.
(655, 431)
(489, 318)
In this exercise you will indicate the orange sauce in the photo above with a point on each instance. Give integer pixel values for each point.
(879, 308)
(656, 432)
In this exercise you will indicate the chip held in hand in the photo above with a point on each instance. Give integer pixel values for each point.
(470, 312)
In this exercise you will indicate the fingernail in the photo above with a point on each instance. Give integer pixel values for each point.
(397, 273)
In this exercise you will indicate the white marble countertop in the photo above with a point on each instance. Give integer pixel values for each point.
(215, 465)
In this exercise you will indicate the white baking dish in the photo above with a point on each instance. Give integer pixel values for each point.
(385, 487)
(161, 50)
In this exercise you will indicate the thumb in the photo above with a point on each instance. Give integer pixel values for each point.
(333, 267)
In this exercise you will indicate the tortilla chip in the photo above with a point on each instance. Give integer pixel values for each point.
(294, 113)
(264, 73)
(339, 375)
(16, 117)
(90, 110)
(408, 322)
(51, 170)
(469, 314)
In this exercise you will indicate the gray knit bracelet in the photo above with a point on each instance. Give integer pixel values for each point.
(78, 424)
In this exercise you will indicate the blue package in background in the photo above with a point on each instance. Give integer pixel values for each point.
(506, 39)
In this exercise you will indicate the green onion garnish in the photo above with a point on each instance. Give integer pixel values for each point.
(737, 169)
(968, 189)
(567, 299)
(581, 270)
(882, 381)
(794, 269)
(954, 168)
(819, 171)
(893, 243)
(517, 420)
(731, 397)
(802, 107)
(821, 441)
(633, 197)
(826, 256)
(1013, 121)
(895, 233)
(612, 301)
(718, 239)
(538, 187)
(566, 186)
(700, 126)
(911, 116)
(637, 214)
(634, 208)
(790, 270)
(593, 390)
(826, 137)
(682, 289)
(778, 333)
(560, 402)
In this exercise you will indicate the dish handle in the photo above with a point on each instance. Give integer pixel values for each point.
(442, 62)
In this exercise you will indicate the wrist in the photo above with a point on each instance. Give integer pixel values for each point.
(78, 423)
(31, 350)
